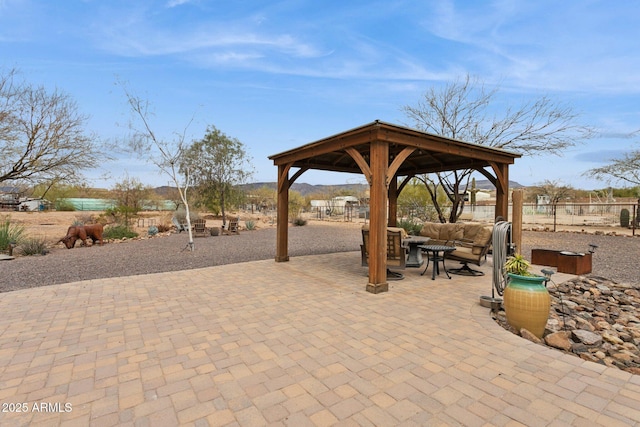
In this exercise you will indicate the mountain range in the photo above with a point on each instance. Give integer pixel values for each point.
(306, 189)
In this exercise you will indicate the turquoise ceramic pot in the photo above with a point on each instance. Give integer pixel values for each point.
(527, 303)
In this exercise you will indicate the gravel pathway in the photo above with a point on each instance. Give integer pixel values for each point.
(616, 257)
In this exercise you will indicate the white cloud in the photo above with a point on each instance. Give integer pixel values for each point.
(174, 3)
(558, 46)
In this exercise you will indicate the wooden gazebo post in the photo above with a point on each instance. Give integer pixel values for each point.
(393, 202)
(378, 222)
(502, 190)
(282, 224)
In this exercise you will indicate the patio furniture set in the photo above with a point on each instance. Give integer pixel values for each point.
(463, 242)
(199, 227)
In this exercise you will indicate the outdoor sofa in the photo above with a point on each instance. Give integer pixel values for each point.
(471, 240)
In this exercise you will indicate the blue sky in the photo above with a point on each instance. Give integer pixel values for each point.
(279, 74)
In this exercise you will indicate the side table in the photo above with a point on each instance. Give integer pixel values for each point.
(414, 258)
(433, 254)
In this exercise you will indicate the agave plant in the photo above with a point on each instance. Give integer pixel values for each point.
(9, 233)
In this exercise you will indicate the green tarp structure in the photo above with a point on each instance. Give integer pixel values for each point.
(87, 204)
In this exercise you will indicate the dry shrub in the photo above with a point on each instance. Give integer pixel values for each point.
(164, 227)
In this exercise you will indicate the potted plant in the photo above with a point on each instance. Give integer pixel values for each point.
(518, 265)
(526, 299)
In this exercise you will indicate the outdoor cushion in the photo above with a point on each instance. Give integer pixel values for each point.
(481, 239)
(403, 232)
(431, 230)
(471, 229)
(451, 232)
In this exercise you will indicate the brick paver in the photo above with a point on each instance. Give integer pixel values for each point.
(296, 343)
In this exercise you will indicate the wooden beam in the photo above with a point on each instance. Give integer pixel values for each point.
(330, 145)
(361, 162)
(434, 143)
(328, 167)
(398, 161)
(297, 175)
(488, 175)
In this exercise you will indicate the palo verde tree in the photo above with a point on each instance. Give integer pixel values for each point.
(462, 110)
(217, 163)
(165, 154)
(42, 136)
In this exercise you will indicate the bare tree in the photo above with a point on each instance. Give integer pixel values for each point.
(556, 192)
(462, 110)
(42, 135)
(164, 154)
(625, 169)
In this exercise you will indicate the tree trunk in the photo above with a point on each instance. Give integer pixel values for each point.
(224, 215)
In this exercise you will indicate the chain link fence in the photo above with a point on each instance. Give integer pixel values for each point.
(594, 215)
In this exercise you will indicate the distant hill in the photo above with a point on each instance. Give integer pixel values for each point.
(485, 184)
(165, 190)
(306, 189)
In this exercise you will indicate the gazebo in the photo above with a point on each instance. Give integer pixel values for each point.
(389, 156)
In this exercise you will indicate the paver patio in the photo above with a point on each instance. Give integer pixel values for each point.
(296, 343)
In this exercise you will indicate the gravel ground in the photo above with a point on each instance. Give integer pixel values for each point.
(168, 253)
(616, 257)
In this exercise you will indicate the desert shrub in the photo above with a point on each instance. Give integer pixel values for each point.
(120, 215)
(181, 215)
(163, 228)
(411, 226)
(299, 221)
(119, 232)
(9, 233)
(153, 230)
(250, 225)
(33, 246)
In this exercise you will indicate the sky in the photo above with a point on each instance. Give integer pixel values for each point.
(282, 73)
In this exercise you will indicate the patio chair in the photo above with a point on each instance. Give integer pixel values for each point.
(199, 228)
(179, 226)
(232, 227)
(396, 252)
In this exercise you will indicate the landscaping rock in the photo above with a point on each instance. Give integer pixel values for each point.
(559, 340)
(596, 319)
(585, 337)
